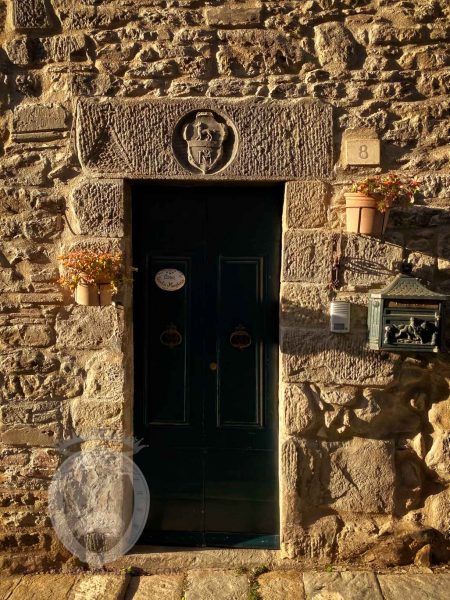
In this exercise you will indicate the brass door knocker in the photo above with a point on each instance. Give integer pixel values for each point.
(240, 338)
(171, 337)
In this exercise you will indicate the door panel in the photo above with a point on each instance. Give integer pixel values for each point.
(168, 338)
(240, 291)
(177, 491)
(232, 477)
(206, 362)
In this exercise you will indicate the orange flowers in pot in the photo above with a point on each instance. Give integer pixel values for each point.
(370, 200)
(93, 276)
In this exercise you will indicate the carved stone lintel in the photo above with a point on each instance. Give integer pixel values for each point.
(238, 139)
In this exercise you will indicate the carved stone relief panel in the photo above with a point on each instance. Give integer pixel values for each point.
(205, 138)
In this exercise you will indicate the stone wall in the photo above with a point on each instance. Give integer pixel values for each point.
(364, 436)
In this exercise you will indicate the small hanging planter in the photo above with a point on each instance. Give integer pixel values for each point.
(368, 204)
(92, 276)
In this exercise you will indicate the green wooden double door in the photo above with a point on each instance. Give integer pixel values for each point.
(206, 362)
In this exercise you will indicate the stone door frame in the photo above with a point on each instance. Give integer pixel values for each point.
(286, 142)
(302, 199)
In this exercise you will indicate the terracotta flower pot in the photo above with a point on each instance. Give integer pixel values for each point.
(362, 215)
(93, 294)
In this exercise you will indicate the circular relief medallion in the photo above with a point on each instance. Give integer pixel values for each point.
(170, 280)
(204, 141)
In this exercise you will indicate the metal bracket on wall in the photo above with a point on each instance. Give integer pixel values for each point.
(336, 255)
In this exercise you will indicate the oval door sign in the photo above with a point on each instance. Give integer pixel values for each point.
(170, 280)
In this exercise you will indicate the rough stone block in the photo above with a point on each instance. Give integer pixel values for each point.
(99, 207)
(337, 586)
(254, 52)
(38, 122)
(381, 34)
(362, 476)
(7, 585)
(38, 424)
(300, 408)
(105, 376)
(23, 51)
(41, 228)
(437, 511)
(30, 15)
(37, 387)
(61, 48)
(44, 587)
(424, 266)
(304, 305)
(90, 328)
(31, 435)
(29, 169)
(235, 15)
(316, 541)
(290, 465)
(208, 584)
(307, 256)
(89, 415)
(438, 457)
(31, 335)
(335, 46)
(351, 477)
(439, 415)
(162, 587)
(105, 586)
(434, 186)
(374, 413)
(367, 261)
(323, 357)
(27, 361)
(140, 139)
(340, 396)
(418, 217)
(281, 585)
(425, 586)
(306, 204)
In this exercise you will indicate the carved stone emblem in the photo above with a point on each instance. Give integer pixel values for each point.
(205, 141)
(205, 138)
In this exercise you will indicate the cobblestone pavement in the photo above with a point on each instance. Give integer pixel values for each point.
(220, 584)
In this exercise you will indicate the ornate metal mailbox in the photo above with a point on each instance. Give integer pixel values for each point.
(405, 315)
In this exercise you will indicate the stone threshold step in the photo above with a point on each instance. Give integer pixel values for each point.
(164, 559)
